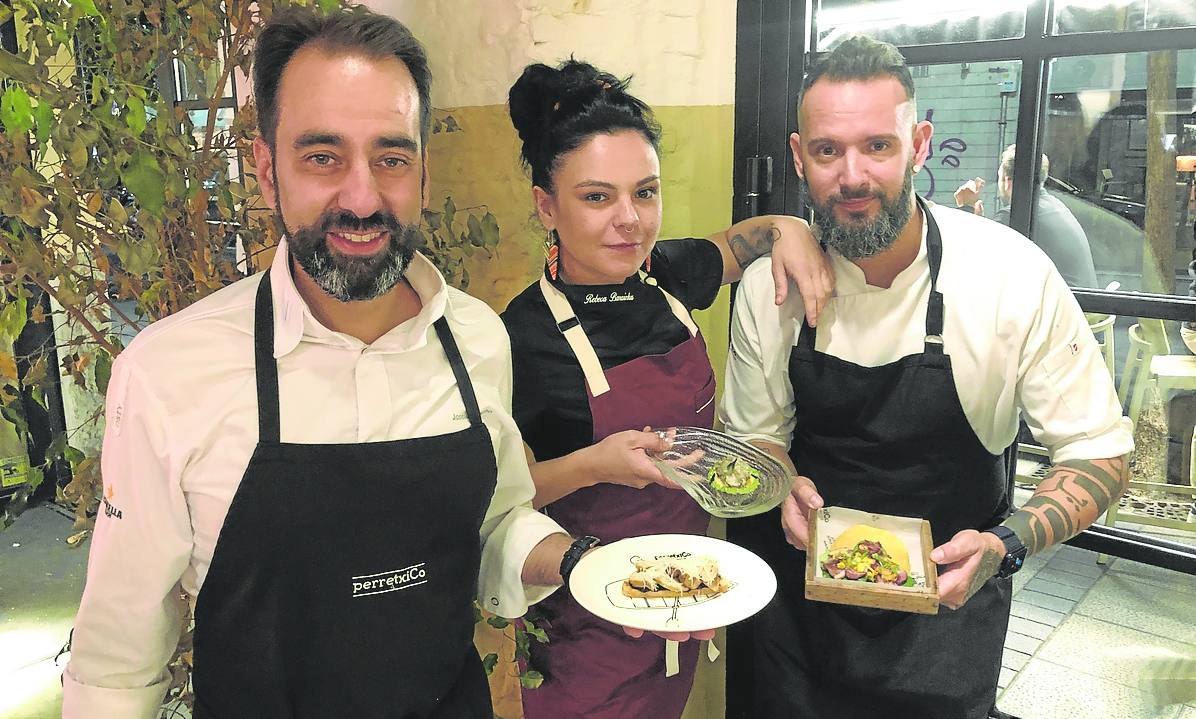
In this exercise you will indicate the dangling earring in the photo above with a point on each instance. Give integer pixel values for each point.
(552, 253)
(648, 263)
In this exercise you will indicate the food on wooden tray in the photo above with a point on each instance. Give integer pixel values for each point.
(680, 575)
(868, 554)
(732, 475)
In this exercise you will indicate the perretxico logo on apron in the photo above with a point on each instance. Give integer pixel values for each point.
(392, 581)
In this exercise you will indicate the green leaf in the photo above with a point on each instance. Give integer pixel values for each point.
(103, 371)
(498, 622)
(432, 219)
(531, 679)
(489, 662)
(16, 68)
(43, 117)
(35, 477)
(117, 213)
(5, 14)
(16, 110)
(138, 257)
(12, 318)
(450, 209)
(76, 153)
(489, 230)
(329, 6)
(475, 231)
(86, 7)
(145, 180)
(135, 118)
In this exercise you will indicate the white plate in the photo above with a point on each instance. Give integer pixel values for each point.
(597, 580)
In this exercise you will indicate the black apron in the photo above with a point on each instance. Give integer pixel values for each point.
(342, 584)
(891, 439)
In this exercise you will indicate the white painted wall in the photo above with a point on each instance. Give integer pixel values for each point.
(682, 52)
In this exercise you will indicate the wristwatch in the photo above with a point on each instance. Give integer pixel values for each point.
(580, 546)
(1015, 551)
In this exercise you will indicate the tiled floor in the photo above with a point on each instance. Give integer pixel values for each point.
(1078, 637)
(1080, 634)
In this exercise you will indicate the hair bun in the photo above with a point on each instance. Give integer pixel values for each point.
(542, 92)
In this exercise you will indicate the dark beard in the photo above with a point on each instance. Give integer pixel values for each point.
(346, 278)
(858, 240)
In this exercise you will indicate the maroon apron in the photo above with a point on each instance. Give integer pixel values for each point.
(591, 668)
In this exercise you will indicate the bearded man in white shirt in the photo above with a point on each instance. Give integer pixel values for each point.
(943, 329)
(322, 456)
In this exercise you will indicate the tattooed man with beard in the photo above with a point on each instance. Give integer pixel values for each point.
(944, 328)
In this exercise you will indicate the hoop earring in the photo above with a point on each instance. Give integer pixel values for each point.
(552, 251)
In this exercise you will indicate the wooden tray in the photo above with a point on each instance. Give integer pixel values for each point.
(828, 522)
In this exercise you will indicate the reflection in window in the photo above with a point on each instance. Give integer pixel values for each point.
(973, 107)
(1121, 15)
(1117, 130)
(920, 22)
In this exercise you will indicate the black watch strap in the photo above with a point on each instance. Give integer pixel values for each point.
(579, 547)
(1015, 551)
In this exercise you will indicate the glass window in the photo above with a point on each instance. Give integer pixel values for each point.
(1119, 15)
(1118, 140)
(973, 107)
(920, 22)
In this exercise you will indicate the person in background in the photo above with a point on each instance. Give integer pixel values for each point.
(944, 328)
(1055, 229)
(604, 346)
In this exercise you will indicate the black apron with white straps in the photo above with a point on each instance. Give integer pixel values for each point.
(892, 439)
(343, 579)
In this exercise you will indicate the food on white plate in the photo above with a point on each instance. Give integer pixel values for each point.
(680, 575)
(868, 554)
(732, 475)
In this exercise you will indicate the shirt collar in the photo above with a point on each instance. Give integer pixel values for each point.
(294, 322)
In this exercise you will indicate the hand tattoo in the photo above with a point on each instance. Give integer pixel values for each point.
(989, 563)
(1072, 496)
(758, 243)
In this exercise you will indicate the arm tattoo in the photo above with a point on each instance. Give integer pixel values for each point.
(757, 244)
(1072, 496)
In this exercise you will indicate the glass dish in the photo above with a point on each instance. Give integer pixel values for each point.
(694, 451)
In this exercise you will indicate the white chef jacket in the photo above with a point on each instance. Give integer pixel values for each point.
(182, 424)
(1017, 339)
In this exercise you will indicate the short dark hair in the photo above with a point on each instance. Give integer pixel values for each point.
(356, 30)
(859, 58)
(555, 110)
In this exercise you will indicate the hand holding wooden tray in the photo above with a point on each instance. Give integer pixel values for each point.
(829, 523)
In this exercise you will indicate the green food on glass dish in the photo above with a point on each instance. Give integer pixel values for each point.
(731, 475)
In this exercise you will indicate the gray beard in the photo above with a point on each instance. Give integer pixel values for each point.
(856, 241)
(350, 279)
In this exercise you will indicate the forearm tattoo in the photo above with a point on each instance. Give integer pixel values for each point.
(759, 242)
(1071, 497)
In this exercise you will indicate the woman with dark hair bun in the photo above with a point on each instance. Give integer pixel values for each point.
(603, 346)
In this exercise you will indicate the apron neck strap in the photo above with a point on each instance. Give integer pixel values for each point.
(464, 385)
(570, 327)
(265, 368)
(934, 307)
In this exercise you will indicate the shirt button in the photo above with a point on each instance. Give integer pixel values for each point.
(494, 601)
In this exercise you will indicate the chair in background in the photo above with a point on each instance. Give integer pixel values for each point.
(1150, 362)
(1102, 330)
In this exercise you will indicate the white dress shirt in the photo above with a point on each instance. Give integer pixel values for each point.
(1017, 339)
(182, 425)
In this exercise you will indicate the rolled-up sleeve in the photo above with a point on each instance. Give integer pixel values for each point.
(757, 397)
(130, 615)
(1064, 389)
(511, 528)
